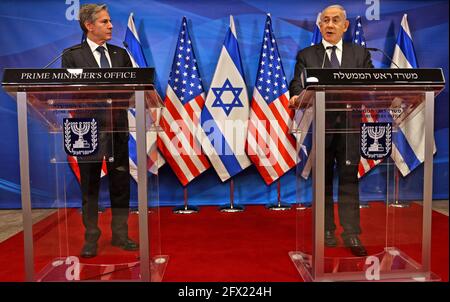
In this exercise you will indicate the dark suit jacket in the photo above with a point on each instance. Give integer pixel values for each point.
(84, 58)
(353, 56)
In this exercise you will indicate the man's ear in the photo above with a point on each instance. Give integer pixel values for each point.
(346, 25)
(88, 25)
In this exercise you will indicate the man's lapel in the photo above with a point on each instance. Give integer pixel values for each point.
(346, 56)
(320, 51)
(88, 56)
(113, 56)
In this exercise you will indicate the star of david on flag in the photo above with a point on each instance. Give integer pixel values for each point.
(225, 115)
(227, 106)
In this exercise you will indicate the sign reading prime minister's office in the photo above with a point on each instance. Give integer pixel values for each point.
(78, 76)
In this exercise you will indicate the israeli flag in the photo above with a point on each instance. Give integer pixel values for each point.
(317, 36)
(409, 141)
(154, 158)
(226, 112)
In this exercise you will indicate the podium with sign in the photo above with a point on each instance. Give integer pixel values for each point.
(354, 123)
(69, 120)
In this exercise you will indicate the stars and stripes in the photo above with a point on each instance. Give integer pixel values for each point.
(364, 165)
(185, 98)
(270, 146)
(358, 33)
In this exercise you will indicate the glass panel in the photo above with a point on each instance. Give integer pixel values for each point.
(374, 180)
(86, 237)
(303, 133)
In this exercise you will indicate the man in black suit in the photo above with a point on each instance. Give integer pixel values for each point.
(340, 149)
(113, 144)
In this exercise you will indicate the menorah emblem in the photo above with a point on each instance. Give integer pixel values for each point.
(376, 140)
(376, 133)
(80, 129)
(80, 136)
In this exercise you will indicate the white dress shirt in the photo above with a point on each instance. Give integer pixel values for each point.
(96, 54)
(338, 50)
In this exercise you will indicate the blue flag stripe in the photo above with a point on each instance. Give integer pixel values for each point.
(226, 156)
(135, 48)
(407, 47)
(232, 46)
(404, 148)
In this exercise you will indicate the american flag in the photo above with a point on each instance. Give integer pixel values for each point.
(185, 98)
(270, 146)
(365, 165)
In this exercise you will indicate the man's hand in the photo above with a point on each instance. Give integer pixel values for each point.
(293, 102)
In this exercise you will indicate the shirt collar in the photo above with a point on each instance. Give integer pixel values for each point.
(338, 44)
(93, 46)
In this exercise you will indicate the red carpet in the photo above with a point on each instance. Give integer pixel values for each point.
(214, 246)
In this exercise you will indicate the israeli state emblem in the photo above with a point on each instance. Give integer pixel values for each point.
(376, 140)
(80, 136)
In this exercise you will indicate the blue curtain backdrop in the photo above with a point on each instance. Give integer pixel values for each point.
(33, 32)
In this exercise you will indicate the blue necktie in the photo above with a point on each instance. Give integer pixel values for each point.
(103, 60)
(333, 58)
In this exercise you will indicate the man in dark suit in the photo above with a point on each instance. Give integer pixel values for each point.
(340, 149)
(113, 143)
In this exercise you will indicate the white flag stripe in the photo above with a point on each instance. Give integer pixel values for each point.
(274, 123)
(271, 140)
(282, 111)
(187, 148)
(178, 159)
(400, 59)
(193, 125)
(256, 149)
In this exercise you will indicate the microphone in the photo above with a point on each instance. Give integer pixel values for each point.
(61, 54)
(384, 53)
(323, 61)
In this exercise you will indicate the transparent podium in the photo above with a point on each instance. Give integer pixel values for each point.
(355, 124)
(79, 130)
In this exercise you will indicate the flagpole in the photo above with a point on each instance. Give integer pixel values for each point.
(185, 209)
(232, 208)
(279, 206)
(397, 203)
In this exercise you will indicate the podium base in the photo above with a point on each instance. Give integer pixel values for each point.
(278, 207)
(302, 207)
(399, 204)
(58, 268)
(185, 210)
(397, 267)
(231, 209)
